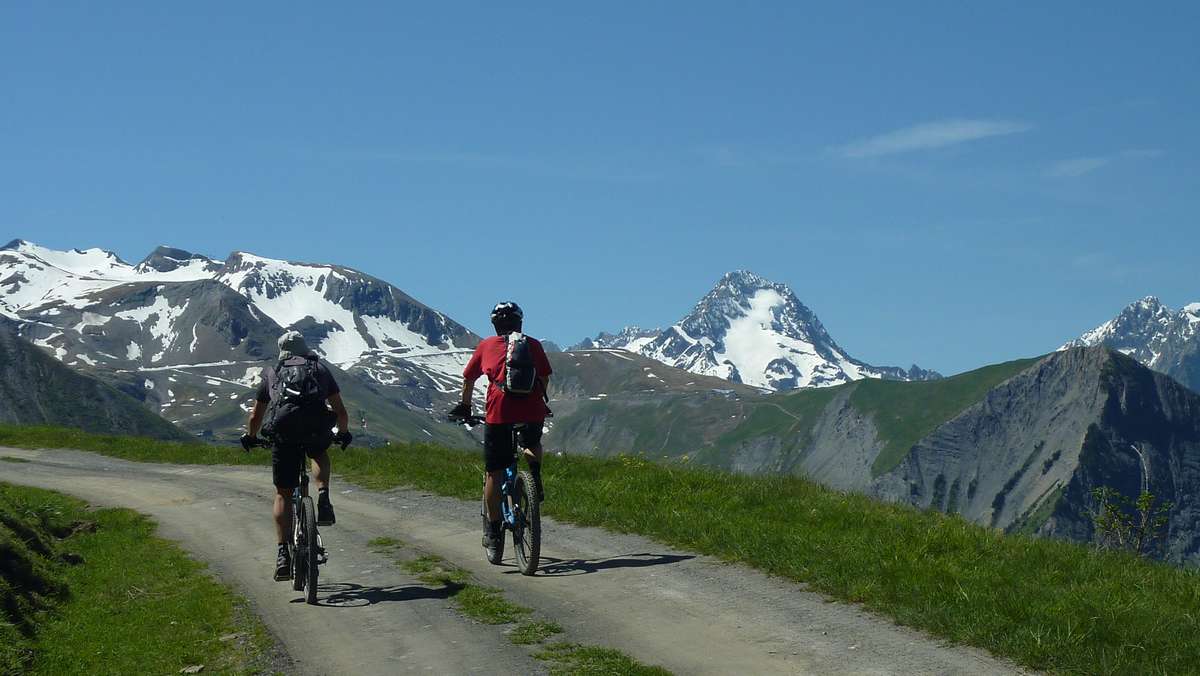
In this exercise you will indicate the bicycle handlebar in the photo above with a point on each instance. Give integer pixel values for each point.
(469, 420)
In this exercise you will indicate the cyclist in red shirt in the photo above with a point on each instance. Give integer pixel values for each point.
(506, 408)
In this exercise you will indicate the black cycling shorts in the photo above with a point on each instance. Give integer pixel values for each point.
(498, 451)
(288, 459)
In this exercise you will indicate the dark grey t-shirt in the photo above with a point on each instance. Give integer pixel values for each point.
(327, 382)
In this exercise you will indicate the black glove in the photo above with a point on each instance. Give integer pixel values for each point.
(248, 442)
(343, 438)
(463, 410)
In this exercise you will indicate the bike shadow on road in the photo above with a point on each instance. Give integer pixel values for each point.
(552, 567)
(350, 595)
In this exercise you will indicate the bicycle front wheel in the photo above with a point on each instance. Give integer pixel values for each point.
(309, 522)
(527, 532)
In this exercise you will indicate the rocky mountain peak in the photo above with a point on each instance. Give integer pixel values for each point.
(166, 259)
(741, 294)
(630, 338)
(752, 330)
(1164, 339)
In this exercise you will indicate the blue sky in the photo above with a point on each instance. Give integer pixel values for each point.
(947, 184)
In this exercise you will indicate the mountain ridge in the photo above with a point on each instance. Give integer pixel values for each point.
(190, 334)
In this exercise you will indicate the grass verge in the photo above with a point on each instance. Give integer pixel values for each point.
(96, 592)
(1046, 604)
(578, 660)
(488, 605)
(480, 603)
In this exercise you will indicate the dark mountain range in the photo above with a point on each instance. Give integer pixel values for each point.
(36, 389)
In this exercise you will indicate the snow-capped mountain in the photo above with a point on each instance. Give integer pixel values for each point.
(757, 332)
(632, 338)
(191, 332)
(1164, 339)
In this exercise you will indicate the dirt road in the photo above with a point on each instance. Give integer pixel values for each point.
(690, 614)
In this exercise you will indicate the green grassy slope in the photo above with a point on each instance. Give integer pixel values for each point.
(95, 592)
(905, 412)
(1046, 604)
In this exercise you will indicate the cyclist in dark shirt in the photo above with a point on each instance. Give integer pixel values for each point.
(503, 410)
(287, 455)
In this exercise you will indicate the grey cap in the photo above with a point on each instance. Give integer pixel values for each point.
(291, 343)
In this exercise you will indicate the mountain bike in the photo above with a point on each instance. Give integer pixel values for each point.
(306, 548)
(520, 509)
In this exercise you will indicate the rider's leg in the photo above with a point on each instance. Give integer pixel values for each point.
(531, 447)
(321, 468)
(533, 454)
(285, 467)
(497, 454)
(283, 515)
(491, 494)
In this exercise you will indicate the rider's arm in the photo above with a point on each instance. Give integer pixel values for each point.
(468, 391)
(339, 408)
(256, 418)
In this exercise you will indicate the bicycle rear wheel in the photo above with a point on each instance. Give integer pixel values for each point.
(527, 533)
(310, 549)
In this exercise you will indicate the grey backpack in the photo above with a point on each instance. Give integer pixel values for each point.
(297, 411)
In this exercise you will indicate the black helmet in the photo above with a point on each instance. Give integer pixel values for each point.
(507, 311)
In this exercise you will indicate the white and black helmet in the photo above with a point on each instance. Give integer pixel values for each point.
(507, 311)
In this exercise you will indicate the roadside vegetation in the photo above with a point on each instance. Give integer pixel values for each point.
(1045, 604)
(488, 605)
(95, 592)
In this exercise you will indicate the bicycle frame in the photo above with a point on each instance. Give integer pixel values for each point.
(508, 488)
(508, 515)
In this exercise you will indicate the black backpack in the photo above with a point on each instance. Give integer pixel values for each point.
(297, 412)
(520, 372)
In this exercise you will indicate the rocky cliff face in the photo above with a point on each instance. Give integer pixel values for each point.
(1028, 456)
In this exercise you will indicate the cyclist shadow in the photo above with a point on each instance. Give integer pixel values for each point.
(350, 595)
(552, 567)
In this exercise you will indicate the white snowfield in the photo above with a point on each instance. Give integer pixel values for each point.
(37, 280)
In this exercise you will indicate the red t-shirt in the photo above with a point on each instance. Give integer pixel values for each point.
(489, 359)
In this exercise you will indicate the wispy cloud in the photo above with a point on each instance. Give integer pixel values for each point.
(1078, 166)
(930, 135)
